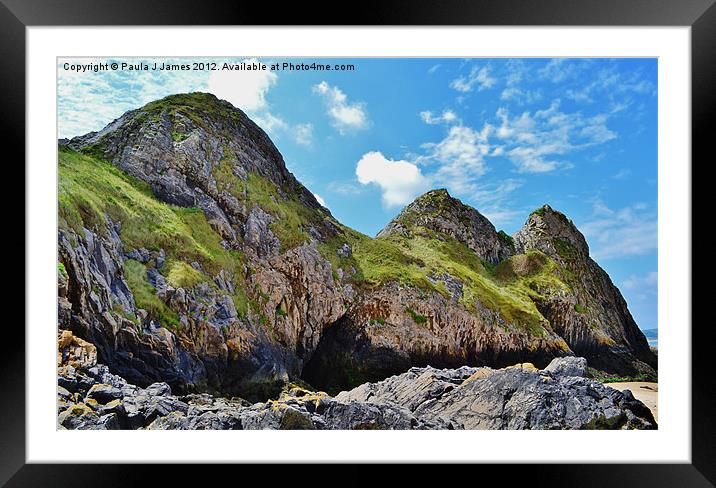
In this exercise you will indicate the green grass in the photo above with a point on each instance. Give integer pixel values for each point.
(565, 249)
(61, 270)
(545, 208)
(145, 295)
(198, 107)
(580, 308)
(509, 288)
(177, 137)
(92, 190)
(182, 275)
(506, 239)
(291, 217)
(626, 379)
(242, 302)
(419, 319)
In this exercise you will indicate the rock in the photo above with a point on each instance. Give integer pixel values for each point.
(595, 320)
(344, 251)
(567, 366)
(452, 284)
(438, 211)
(295, 420)
(75, 352)
(158, 389)
(379, 337)
(524, 366)
(79, 417)
(276, 308)
(259, 235)
(512, 398)
(104, 393)
(519, 397)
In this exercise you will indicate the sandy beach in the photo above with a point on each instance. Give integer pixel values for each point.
(647, 392)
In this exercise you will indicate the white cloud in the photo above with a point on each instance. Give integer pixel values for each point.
(399, 181)
(269, 122)
(448, 116)
(433, 69)
(516, 71)
(647, 282)
(614, 85)
(89, 101)
(520, 96)
(459, 157)
(248, 90)
(536, 143)
(343, 188)
(629, 231)
(346, 116)
(320, 200)
(495, 201)
(560, 69)
(622, 174)
(303, 134)
(478, 76)
(243, 89)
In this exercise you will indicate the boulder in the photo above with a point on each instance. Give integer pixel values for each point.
(567, 366)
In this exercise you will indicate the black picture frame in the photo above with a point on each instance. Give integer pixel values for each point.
(700, 15)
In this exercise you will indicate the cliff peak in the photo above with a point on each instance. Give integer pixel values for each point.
(438, 211)
(553, 233)
(195, 150)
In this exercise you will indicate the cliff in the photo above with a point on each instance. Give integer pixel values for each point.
(190, 255)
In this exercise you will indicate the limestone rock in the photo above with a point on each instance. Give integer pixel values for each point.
(567, 366)
(422, 398)
(438, 211)
(282, 310)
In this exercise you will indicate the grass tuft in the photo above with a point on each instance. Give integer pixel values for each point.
(145, 295)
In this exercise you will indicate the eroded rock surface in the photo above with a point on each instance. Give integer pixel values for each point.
(189, 255)
(436, 210)
(594, 319)
(90, 397)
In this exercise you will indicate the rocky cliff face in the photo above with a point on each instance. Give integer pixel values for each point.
(437, 211)
(190, 255)
(208, 229)
(559, 397)
(594, 318)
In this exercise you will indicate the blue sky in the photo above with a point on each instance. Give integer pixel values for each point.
(504, 135)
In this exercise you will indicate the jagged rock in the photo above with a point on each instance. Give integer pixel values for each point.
(436, 210)
(277, 309)
(104, 393)
(594, 320)
(513, 398)
(415, 327)
(422, 398)
(259, 235)
(74, 352)
(568, 366)
(345, 251)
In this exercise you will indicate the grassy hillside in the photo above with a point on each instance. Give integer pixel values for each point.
(509, 288)
(92, 190)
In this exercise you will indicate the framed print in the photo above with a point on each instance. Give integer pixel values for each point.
(465, 230)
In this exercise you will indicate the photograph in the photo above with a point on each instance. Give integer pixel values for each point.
(357, 243)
